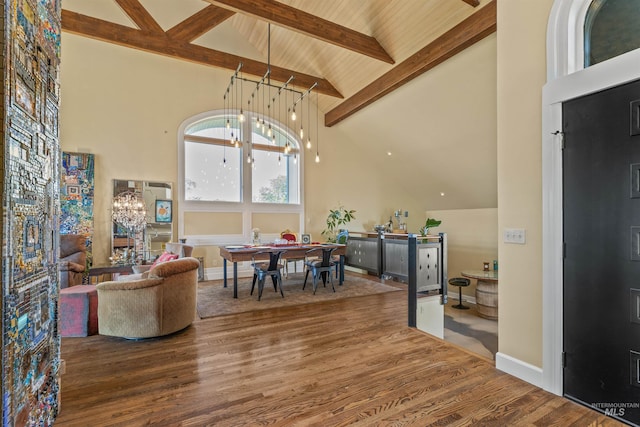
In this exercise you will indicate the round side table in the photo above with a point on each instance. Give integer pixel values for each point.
(486, 292)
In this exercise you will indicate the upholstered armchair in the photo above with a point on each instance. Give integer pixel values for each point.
(162, 303)
(73, 259)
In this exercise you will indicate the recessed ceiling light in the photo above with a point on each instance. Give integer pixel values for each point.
(388, 153)
(442, 194)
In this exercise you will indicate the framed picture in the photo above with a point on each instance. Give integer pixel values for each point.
(163, 211)
(306, 239)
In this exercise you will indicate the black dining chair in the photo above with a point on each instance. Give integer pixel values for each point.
(262, 270)
(319, 263)
(341, 239)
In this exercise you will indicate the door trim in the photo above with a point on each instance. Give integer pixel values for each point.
(614, 72)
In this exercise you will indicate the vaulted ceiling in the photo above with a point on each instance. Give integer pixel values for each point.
(357, 51)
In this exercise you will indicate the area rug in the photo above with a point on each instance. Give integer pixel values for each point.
(216, 300)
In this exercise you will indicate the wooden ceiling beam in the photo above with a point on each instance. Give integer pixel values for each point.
(98, 29)
(474, 3)
(473, 29)
(305, 23)
(199, 23)
(140, 16)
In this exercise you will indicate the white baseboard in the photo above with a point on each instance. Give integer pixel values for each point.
(519, 369)
(217, 273)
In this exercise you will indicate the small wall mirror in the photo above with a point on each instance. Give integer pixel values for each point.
(150, 241)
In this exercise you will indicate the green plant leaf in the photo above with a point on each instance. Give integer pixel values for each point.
(432, 222)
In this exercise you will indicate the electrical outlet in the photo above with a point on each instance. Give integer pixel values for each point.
(514, 235)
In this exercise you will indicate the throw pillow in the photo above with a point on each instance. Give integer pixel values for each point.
(166, 256)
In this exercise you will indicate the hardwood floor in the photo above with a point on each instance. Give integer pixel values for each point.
(345, 362)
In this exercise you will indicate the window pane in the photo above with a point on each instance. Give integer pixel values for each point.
(207, 177)
(611, 29)
(275, 176)
(270, 183)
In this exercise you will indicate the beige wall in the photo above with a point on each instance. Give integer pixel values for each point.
(441, 131)
(472, 238)
(522, 28)
(125, 106)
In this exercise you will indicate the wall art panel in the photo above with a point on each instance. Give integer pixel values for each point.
(31, 211)
(76, 196)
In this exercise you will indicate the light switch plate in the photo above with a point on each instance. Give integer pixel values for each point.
(514, 235)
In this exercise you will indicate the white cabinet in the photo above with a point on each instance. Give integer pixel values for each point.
(430, 316)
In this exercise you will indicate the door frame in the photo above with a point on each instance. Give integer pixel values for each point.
(565, 81)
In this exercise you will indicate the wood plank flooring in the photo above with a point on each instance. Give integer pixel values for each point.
(346, 362)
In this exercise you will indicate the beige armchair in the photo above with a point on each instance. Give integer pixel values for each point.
(162, 303)
(73, 259)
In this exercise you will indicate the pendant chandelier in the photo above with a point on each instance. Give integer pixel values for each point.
(129, 211)
(268, 102)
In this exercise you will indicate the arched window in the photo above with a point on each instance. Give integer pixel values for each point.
(262, 167)
(610, 29)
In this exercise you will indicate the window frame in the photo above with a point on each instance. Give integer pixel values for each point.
(246, 206)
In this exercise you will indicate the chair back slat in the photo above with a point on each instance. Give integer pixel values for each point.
(326, 255)
(274, 258)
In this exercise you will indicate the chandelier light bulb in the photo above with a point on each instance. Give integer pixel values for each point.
(301, 132)
(228, 124)
(279, 158)
(269, 133)
(295, 159)
(293, 115)
(248, 158)
(309, 144)
(241, 116)
(258, 123)
(317, 158)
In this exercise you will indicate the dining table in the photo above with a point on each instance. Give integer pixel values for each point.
(241, 253)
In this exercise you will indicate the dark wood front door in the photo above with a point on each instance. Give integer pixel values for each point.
(601, 187)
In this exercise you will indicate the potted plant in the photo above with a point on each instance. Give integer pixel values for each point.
(336, 218)
(430, 223)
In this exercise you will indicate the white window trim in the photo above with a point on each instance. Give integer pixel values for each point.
(246, 207)
(566, 79)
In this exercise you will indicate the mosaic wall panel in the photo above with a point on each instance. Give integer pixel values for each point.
(76, 196)
(30, 221)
